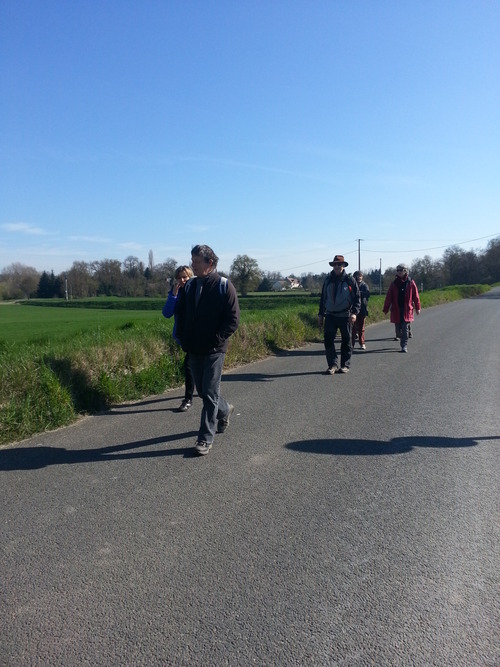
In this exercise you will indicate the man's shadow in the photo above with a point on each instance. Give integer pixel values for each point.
(344, 447)
(33, 458)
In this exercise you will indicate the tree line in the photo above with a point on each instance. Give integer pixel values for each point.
(131, 278)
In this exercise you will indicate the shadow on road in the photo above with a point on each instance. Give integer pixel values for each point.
(263, 377)
(33, 458)
(379, 447)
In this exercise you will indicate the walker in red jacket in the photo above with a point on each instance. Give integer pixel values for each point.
(402, 298)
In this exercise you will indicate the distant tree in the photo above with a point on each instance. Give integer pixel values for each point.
(134, 281)
(313, 282)
(245, 274)
(109, 277)
(491, 261)
(44, 290)
(159, 278)
(372, 278)
(427, 273)
(273, 276)
(388, 277)
(19, 281)
(132, 266)
(461, 267)
(50, 286)
(265, 285)
(81, 280)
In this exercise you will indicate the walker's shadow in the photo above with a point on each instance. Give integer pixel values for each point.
(132, 408)
(33, 458)
(338, 447)
(380, 350)
(300, 353)
(263, 377)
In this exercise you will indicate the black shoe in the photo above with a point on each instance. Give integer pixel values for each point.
(223, 423)
(185, 405)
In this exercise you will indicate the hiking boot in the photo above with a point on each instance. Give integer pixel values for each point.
(223, 423)
(202, 447)
(344, 369)
(185, 405)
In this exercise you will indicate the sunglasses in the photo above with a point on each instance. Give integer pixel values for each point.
(400, 268)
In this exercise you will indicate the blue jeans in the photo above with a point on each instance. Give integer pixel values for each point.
(332, 324)
(207, 371)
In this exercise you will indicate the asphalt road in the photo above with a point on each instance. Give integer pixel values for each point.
(341, 520)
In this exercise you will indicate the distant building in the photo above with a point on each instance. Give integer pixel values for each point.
(286, 283)
(294, 283)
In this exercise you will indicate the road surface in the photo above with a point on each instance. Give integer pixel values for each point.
(341, 520)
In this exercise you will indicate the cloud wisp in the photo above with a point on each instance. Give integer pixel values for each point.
(23, 228)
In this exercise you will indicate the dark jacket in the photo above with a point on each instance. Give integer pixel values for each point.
(364, 291)
(411, 299)
(340, 296)
(205, 328)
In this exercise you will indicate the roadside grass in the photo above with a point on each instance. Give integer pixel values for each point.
(58, 364)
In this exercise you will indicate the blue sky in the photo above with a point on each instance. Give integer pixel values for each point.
(284, 130)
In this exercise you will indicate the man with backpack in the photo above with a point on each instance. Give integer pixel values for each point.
(207, 315)
(339, 305)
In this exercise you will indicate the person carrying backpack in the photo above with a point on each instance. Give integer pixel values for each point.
(339, 305)
(358, 327)
(208, 314)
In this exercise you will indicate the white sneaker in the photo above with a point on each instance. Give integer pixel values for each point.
(202, 447)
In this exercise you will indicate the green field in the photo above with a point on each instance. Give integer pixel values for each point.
(24, 324)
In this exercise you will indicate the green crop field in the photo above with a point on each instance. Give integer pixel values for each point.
(24, 324)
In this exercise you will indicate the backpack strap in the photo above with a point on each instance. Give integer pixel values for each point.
(222, 285)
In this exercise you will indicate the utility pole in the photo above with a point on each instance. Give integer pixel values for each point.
(380, 278)
(359, 253)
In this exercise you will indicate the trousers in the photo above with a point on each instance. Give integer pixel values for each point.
(332, 325)
(359, 328)
(207, 372)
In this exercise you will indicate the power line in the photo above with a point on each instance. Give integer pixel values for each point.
(439, 247)
(387, 252)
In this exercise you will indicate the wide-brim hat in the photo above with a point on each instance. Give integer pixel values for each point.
(339, 259)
